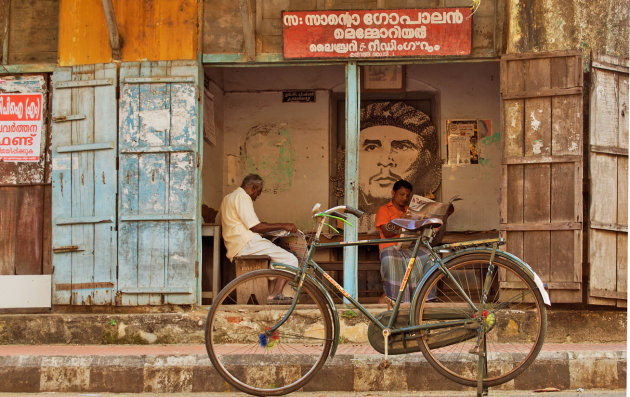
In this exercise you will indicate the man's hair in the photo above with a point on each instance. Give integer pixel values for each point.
(402, 183)
(252, 179)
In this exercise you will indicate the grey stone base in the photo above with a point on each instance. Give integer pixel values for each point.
(194, 373)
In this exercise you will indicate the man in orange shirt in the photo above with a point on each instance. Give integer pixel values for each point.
(394, 260)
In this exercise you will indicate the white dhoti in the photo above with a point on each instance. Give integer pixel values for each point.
(261, 246)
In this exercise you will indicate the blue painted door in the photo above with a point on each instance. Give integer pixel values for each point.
(84, 139)
(158, 168)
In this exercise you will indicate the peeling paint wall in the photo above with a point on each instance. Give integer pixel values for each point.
(297, 132)
(550, 25)
(223, 26)
(287, 144)
(150, 30)
(467, 91)
(253, 99)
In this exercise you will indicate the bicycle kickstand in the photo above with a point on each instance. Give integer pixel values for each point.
(482, 368)
(385, 363)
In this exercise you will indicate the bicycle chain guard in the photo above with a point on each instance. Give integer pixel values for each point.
(410, 342)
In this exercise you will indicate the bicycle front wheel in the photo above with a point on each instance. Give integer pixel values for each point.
(250, 358)
(510, 323)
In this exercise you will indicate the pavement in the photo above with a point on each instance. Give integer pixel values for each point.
(129, 353)
(186, 368)
(492, 393)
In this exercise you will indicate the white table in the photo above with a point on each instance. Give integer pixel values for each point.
(212, 230)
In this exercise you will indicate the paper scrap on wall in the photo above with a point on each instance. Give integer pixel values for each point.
(462, 142)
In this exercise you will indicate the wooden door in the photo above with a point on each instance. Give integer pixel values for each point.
(158, 174)
(541, 198)
(84, 138)
(25, 191)
(608, 176)
(25, 196)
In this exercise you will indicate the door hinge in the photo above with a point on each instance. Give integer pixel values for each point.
(198, 160)
(196, 269)
(116, 163)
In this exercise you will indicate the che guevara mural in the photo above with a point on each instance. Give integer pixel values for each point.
(396, 141)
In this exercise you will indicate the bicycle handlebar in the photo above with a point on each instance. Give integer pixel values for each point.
(354, 211)
(346, 209)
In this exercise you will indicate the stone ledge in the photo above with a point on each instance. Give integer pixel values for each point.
(564, 326)
(604, 369)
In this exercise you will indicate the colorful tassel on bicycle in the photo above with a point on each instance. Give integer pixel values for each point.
(264, 341)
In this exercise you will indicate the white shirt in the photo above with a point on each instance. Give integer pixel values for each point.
(237, 217)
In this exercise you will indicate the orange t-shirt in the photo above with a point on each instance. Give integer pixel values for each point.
(385, 214)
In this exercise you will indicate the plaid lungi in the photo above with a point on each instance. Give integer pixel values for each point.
(393, 267)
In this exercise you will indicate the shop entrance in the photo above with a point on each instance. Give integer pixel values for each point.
(287, 124)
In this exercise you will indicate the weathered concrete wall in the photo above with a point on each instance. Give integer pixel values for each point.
(286, 143)
(223, 27)
(550, 25)
(468, 91)
(564, 326)
(253, 97)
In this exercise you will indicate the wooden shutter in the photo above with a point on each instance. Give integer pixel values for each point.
(541, 198)
(158, 177)
(608, 176)
(25, 205)
(84, 184)
(25, 195)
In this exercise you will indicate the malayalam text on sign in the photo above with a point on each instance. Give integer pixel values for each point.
(20, 127)
(377, 33)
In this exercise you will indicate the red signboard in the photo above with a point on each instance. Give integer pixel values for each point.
(376, 33)
(20, 127)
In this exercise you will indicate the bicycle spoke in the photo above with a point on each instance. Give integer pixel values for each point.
(505, 330)
(237, 326)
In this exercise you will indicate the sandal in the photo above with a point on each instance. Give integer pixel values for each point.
(279, 300)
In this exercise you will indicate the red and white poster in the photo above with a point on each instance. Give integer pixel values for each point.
(20, 127)
(377, 33)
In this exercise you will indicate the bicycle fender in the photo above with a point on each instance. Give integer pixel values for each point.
(331, 304)
(513, 258)
(516, 260)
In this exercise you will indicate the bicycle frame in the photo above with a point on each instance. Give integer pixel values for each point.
(467, 279)
(422, 239)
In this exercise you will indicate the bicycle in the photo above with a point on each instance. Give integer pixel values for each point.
(478, 315)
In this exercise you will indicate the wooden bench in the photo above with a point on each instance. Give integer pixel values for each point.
(258, 288)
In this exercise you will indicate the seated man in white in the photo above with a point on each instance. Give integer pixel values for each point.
(242, 229)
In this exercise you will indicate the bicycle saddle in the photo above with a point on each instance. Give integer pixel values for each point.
(416, 224)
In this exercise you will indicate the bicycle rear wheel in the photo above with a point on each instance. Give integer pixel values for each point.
(513, 320)
(262, 364)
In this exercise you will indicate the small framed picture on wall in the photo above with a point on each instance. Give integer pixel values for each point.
(383, 78)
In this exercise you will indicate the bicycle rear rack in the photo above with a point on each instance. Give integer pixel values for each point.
(471, 244)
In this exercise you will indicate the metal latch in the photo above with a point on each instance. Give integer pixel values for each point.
(66, 248)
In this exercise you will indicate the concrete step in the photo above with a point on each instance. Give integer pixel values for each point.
(120, 326)
(186, 368)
